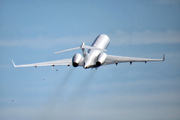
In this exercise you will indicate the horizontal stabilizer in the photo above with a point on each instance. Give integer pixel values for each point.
(81, 47)
(93, 48)
(67, 50)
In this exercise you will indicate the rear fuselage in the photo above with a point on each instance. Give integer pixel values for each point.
(102, 41)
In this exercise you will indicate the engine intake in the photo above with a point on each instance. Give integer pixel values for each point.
(101, 59)
(77, 58)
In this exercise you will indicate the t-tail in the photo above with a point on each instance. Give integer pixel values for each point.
(83, 47)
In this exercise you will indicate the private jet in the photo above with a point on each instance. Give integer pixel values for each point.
(93, 58)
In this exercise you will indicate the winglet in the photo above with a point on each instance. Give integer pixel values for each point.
(163, 57)
(13, 63)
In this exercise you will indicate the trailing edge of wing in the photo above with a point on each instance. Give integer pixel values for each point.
(50, 63)
(118, 59)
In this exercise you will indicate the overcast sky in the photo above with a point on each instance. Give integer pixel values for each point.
(31, 31)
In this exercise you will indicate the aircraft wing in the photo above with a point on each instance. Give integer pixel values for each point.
(111, 59)
(50, 63)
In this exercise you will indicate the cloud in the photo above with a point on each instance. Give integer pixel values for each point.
(4, 66)
(168, 1)
(145, 37)
(41, 42)
(104, 107)
(117, 38)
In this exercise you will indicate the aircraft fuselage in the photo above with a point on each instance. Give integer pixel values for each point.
(102, 41)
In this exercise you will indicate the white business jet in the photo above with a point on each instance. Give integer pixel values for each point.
(94, 58)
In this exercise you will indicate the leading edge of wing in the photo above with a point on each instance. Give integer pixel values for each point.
(111, 59)
(49, 63)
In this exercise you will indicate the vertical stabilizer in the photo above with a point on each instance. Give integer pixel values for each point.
(83, 49)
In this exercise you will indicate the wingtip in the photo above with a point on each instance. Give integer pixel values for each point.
(163, 57)
(13, 63)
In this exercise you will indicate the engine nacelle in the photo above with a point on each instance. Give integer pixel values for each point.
(77, 58)
(101, 59)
